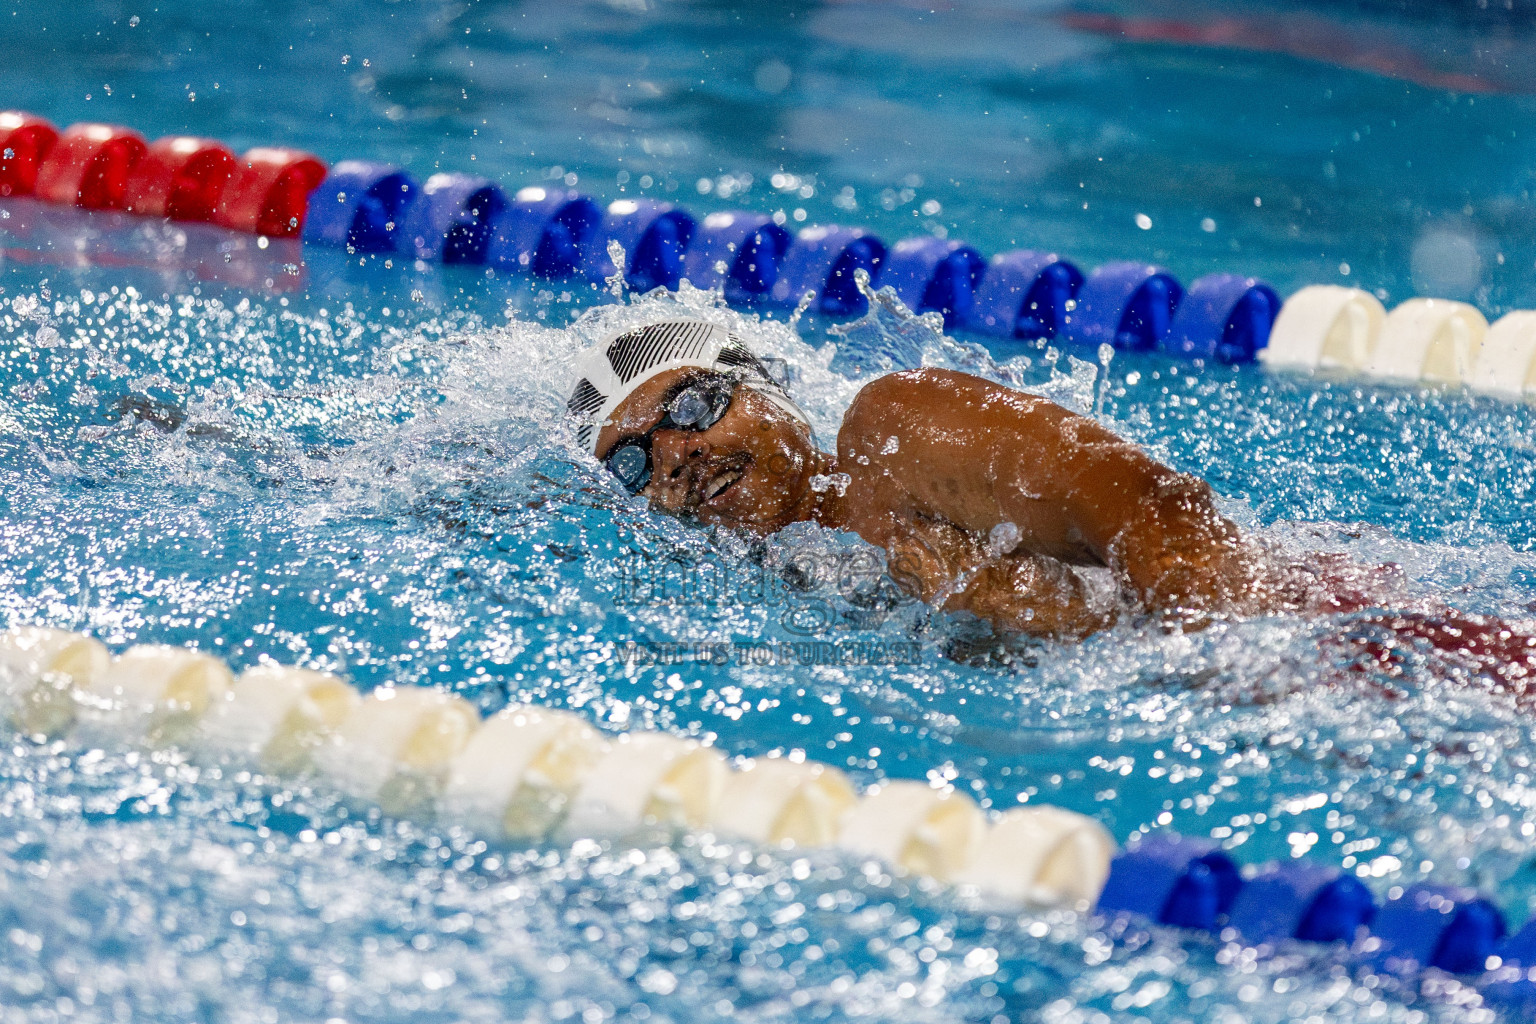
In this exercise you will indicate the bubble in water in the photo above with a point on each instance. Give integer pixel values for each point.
(800, 308)
(1446, 263)
(772, 76)
(1002, 539)
(822, 483)
(1106, 356)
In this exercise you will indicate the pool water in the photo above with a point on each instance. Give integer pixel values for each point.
(364, 468)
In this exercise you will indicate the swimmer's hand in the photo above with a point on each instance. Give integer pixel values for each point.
(1025, 593)
(1184, 560)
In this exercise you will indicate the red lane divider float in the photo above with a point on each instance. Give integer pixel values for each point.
(269, 192)
(89, 166)
(24, 142)
(181, 178)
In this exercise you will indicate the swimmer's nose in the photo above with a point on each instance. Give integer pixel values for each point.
(695, 453)
(673, 452)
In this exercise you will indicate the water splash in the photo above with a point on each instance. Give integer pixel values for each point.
(401, 499)
(615, 281)
(804, 304)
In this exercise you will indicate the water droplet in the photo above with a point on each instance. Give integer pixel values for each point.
(615, 281)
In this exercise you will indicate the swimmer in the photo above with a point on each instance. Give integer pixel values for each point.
(985, 499)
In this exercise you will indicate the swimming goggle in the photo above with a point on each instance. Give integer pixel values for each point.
(697, 407)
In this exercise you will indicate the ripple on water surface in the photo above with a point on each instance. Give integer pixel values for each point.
(394, 495)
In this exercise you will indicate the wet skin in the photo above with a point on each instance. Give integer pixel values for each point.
(932, 465)
(984, 498)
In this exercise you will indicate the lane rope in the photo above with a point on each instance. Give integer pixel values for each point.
(366, 208)
(532, 774)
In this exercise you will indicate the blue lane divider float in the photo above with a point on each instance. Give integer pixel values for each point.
(935, 275)
(825, 259)
(655, 237)
(1025, 294)
(749, 246)
(1189, 883)
(1226, 317)
(1453, 929)
(451, 220)
(1173, 880)
(1127, 305)
(1308, 902)
(360, 205)
(545, 232)
(558, 234)
(1511, 981)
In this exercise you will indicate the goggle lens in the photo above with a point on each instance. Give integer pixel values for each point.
(631, 463)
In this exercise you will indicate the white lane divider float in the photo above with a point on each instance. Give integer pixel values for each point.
(1325, 325)
(1042, 855)
(1429, 339)
(518, 773)
(42, 666)
(276, 717)
(780, 801)
(647, 782)
(1507, 365)
(1438, 340)
(396, 746)
(532, 773)
(925, 830)
(155, 694)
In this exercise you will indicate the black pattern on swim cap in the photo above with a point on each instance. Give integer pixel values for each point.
(613, 369)
(736, 355)
(633, 353)
(585, 400)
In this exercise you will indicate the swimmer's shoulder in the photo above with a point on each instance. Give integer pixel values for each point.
(917, 395)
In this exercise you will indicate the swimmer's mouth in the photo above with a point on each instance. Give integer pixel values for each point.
(722, 481)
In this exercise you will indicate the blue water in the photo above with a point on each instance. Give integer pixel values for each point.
(363, 468)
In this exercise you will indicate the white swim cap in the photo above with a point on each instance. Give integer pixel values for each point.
(615, 367)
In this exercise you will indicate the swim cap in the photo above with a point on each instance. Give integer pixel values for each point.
(615, 367)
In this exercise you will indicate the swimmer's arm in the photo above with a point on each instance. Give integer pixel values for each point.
(1021, 592)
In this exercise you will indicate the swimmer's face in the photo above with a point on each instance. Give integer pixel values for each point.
(750, 469)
